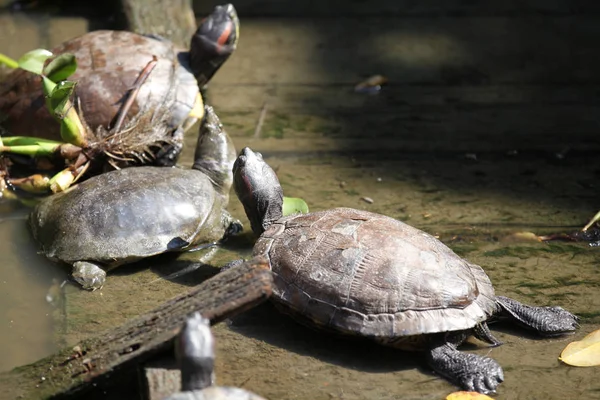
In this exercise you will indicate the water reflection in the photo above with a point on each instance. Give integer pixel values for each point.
(29, 293)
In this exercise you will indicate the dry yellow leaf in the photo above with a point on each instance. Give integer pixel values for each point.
(583, 353)
(518, 237)
(467, 396)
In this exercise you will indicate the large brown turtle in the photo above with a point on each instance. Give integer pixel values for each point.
(124, 215)
(195, 354)
(112, 65)
(360, 273)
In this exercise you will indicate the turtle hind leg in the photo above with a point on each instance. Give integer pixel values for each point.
(89, 275)
(471, 372)
(547, 321)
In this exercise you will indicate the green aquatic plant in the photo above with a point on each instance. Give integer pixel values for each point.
(58, 92)
(294, 205)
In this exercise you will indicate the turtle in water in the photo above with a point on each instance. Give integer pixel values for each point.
(125, 215)
(135, 96)
(195, 354)
(360, 273)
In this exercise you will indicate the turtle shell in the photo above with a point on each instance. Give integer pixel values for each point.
(216, 393)
(361, 273)
(109, 62)
(128, 214)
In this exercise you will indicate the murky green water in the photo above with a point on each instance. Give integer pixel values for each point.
(469, 162)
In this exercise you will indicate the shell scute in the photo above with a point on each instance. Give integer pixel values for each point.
(365, 273)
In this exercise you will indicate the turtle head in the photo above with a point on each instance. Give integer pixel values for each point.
(195, 353)
(213, 42)
(258, 188)
(215, 152)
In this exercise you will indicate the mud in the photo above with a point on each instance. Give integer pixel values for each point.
(467, 142)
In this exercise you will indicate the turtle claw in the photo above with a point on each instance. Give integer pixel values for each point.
(482, 375)
(231, 264)
(88, 275)
(469, 371)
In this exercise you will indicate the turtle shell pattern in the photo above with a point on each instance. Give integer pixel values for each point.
(114, 218)
(361, 273)
(108, 64)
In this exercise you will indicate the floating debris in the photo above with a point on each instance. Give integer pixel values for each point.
(367, 200)
(371, 85)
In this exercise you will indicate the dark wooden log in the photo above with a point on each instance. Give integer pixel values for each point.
(75, 370)
(173, 19)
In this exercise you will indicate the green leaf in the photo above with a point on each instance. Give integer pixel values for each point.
(294, 205)
(61, 67)
(59, 98)
(47, 87)
(33, 61)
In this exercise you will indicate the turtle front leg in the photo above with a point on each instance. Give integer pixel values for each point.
(469, 371)
(168, 155)
(547, 321)
(89, 275)
(232, 264)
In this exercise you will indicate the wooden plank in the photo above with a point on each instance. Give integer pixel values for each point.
(335, 8)
(125, 347)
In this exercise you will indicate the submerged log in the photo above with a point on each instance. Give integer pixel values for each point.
(173, 19)
(76, 370)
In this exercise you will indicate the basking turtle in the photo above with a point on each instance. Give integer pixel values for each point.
(360, 273)
(125, 215)
(195, 353)
(165, 80)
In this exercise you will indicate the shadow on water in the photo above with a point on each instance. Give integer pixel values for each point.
(500, 95)
(266, 324)
(105, 15)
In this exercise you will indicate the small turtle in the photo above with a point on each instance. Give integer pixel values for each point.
(195, 354)
(109, 64)
(360, 273)
(125, 215)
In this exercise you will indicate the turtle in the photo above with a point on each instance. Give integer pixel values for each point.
(360, 273)
(111, 66)
(125, 215)
(195, 354)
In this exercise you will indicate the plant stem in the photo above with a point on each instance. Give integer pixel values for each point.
(9, 62)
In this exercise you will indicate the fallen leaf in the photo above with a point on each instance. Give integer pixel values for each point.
(583, 353)
(371, 85)
(468, 396)
(521, 237)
